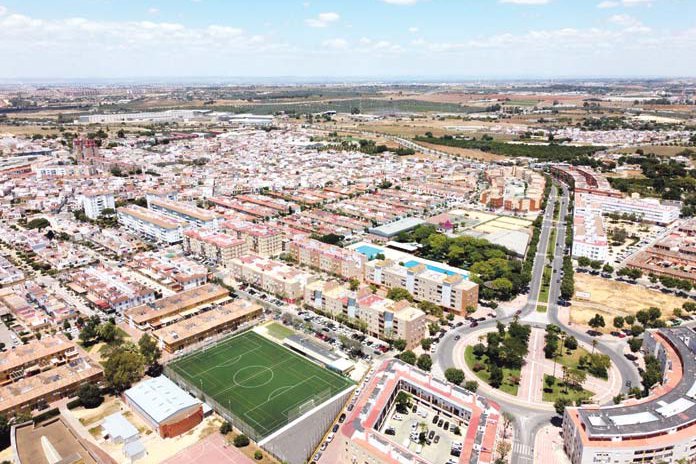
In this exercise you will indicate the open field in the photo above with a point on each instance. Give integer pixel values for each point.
(659, 150)
(260, 382)
(560, 391)
(610, 298)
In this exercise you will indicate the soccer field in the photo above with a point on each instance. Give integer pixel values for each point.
(258, 381)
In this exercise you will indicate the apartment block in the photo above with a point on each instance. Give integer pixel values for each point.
(151, 224)
(262, 240)
(95, 202)
(342, 262)
(43, 371)
(215, 322)
(271, 276)
(384, 318)
(170, 270)
(589, 237)
(219, 247)
(192, 215)
(172, 308)
(452, 291)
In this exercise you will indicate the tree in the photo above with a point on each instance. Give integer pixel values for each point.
(409, 357)
(149, 349)
(426, 343)
(454, 375)
(123, 367)
(38, 223)
(425, 362)
(618, 322)
(584, 261)
(354, 284)
(258, 455)
(635, 344)
(503, 449)
(607, 268)
(402, 401)
(560, 404)
(630, 319)
(550, 381)
(508, 419)
(107, 332)
(479, 350)
(240, 441)
(4, 432)
(471, 385)
(398, 294)
(225, 428)
(652, 374)
(496, 376)
(400, 344)
(597, 321)
(571, 343)
(90, 396)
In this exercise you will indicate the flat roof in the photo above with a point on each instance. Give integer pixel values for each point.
(177, 303)
(160, 398)
(396, 227)
(672, 410)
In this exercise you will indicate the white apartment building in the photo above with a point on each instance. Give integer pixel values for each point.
(646, 209)
(151, 224)
(94, 203)
(589, 237)
(191, 214)
(449, 290)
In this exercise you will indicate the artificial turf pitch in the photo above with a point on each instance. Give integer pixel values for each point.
(257, 380)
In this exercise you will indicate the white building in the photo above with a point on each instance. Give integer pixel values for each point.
(589, 237)
(645, 209)
(94, 203)
(151, 224)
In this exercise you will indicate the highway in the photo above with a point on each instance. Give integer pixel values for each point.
(529, 420)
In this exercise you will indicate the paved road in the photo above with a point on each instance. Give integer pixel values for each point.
(528, 420)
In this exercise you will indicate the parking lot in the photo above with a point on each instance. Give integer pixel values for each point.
(426, 432)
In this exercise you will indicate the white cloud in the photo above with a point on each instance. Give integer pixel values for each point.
(628, 23)
(608, 4)
(526, 2)
(3, 10)
(413, 30)
(627, 3)
(153, 11)
(323, 20)
(636, 2)
(338, 44)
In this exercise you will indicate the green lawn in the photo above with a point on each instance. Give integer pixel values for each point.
(559, 391)
(484, 374)
(541, 308)
(545, 286)
(259, 381)
(279, 331)
(571, 360)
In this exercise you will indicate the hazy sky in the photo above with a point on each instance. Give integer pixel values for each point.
(347, 38)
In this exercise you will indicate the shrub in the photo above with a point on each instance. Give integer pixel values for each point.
(258, 455)
(225, 428)
(240, 441)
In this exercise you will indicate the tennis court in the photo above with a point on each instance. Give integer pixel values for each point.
(258, 381)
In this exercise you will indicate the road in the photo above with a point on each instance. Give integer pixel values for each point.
(529, 420)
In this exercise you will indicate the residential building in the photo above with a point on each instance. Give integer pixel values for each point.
(170, 269)
(170, 309)
(383, 318)
(262, 239)
(452, 291)
(151, 224)
(361, 436)
(110, 290)
(203, 326)
(95, 202)
(43, 371)
(513, 188)
(193, 215)
(271, 276)
(659, 428)
(589, 236)
(220, 247)
(343, 262)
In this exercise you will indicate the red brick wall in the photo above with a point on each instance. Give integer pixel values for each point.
(182, 426)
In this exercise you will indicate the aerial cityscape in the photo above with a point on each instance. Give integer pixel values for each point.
(377, 231)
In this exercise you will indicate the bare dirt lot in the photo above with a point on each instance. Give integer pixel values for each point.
(610, 298)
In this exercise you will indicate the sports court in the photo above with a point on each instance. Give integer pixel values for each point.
(260, 382)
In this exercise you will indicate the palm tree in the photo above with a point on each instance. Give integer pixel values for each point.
(594, 345)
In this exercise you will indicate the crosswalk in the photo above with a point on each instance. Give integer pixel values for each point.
(522, 453)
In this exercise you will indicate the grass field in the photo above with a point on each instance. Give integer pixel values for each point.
(507, 386)
(259, 381)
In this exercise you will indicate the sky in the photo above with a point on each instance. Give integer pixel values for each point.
(344, 39)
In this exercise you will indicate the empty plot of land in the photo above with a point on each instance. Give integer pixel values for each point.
(611, 298)
(259, 381)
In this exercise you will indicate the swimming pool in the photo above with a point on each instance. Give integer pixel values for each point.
(413, 263)
(368, 251)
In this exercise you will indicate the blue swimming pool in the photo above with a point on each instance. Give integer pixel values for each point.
(368, 251)
(413, 263)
